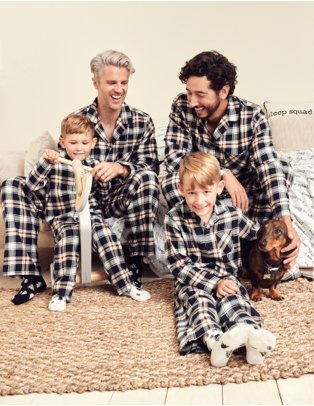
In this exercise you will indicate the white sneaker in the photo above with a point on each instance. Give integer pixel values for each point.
(260, 343)
(137, 294)
(57, 304)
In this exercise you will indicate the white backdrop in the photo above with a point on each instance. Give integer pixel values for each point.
(46, 47)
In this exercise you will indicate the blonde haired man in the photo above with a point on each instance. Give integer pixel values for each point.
(127, 153)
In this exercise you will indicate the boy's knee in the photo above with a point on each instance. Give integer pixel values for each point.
(16, 183)
(149, 178)
(147, 184)
(12, 189)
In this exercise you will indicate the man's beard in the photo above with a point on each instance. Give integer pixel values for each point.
(213, 109)
(209, 110)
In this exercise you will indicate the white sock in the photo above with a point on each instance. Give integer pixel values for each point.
(260, 343)
(229, 341)
(137, 294)
(57, 304)
(211, 337)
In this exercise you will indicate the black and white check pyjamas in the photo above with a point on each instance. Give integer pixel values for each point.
(242, 143)
(199, 256)
(198, 312)
(134, 198)
(54, 186)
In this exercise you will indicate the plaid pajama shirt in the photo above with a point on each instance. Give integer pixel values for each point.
(199, 256)
(54, 185)
(134, 198)
(242, 143)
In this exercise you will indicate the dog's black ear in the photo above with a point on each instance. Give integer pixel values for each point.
(261, 230)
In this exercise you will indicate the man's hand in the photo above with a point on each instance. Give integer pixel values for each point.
(236, 191)
(51, 156)
(106, 171)
(294, 245)
(225, 287)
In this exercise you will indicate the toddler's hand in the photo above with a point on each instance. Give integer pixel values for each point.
(51, 156)
(226, 287)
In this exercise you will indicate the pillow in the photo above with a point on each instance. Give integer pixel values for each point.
(36, 149)
(292, 125)
(12, 164)
(160, 139)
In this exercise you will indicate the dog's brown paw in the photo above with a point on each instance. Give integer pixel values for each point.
(256, 295)
(274, 294)
(278, 298)
(256, 298)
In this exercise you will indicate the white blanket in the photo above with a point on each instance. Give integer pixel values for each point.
(302, 201)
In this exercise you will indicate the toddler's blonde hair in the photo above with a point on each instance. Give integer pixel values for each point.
(76, 124)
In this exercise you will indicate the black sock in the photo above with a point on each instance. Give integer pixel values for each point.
(136, 267)
(31, 284)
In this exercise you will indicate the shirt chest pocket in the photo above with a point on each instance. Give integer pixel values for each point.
(234, 146)
(225, 242)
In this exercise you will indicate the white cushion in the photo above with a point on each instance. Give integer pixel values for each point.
(36, 149)
(292, 125)
(160, 133)
(301, 198)
(12, 164)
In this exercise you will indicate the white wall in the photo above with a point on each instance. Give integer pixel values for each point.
(45, 49)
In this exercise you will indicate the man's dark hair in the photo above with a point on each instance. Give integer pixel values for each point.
(216, 67)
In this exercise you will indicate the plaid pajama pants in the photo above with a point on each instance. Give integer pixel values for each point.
(66, 255)
(22, 219)
(259, 206)
(198, 312)
(135, 199)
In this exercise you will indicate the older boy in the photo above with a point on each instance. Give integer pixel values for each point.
(213, 310)
(56, 181)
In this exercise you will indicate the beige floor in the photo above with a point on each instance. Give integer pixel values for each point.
(292, 391)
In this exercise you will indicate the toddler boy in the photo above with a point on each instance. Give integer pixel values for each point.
(54, 182)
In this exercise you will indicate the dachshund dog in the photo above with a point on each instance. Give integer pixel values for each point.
(263, 260)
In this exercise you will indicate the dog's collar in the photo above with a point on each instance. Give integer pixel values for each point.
(269, 268)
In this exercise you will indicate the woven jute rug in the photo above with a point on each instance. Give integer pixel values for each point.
(106, 342)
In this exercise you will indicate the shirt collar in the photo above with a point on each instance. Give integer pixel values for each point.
(218, 210)
(124, 116)
(231, 115)
(232, 111)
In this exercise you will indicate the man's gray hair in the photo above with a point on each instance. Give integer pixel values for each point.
(110, 57)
